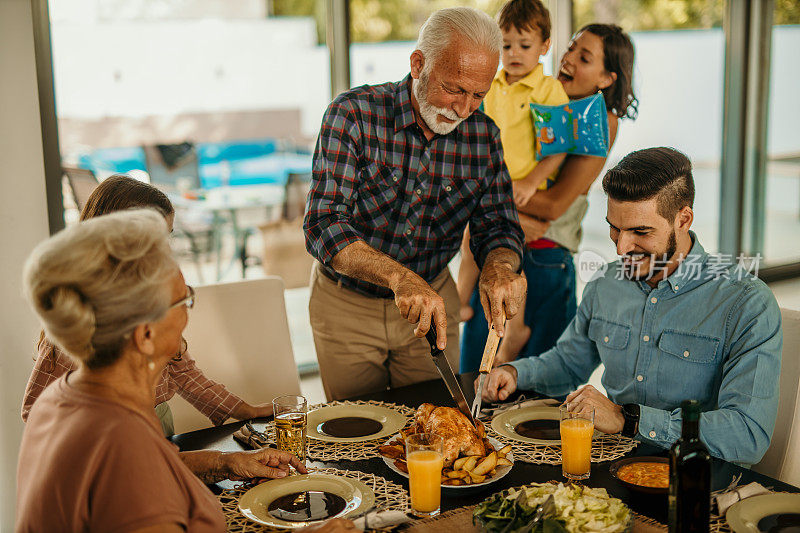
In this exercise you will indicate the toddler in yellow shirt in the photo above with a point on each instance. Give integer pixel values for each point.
(526, 37)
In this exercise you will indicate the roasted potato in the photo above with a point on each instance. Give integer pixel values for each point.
(477, 479)
(502, 452)
(391, 451)
(485, 465)
(459, 464)
(457, 474)
(401, 465)
(502, 461)
(470, 463)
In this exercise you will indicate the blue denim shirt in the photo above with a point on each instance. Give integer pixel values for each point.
(709, 332)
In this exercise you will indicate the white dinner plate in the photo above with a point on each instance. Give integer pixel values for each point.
(254, 503)
(500, 471)
(505, 422)
(743, 516)
(391, 420)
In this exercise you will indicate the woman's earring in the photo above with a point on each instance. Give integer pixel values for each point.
(184, 348)
(150, 364)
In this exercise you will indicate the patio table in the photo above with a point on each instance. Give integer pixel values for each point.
(226, 206)
(434, 391)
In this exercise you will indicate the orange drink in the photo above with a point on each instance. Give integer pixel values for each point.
(425, 477)
(424, 459)
(576, 443)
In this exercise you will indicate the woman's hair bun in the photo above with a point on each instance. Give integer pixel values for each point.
(93, 283)
(69, 319)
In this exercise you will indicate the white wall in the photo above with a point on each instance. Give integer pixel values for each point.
(105, 10)
(23, 223)
(136, 68)
(144, 68)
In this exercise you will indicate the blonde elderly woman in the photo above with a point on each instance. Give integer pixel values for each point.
(93, 457)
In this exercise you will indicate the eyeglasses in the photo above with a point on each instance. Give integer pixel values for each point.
(188, 300)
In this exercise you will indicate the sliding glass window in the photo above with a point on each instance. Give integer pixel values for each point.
(781, 230)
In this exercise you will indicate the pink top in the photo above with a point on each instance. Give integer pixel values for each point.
(207, 396)
(90, 464)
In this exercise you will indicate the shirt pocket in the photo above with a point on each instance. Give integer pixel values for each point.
(687, 367)
(611, 340)
(456, 199)
(377, 195)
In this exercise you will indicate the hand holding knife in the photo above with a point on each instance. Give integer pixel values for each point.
(487, 362)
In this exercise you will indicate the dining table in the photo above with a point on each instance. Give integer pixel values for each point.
(653, 506)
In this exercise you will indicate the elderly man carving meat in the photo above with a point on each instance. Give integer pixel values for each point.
(400, 170)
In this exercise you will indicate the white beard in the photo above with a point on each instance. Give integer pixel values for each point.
(430, 112)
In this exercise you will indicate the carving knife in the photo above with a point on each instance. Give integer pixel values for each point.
(487, 362)
(449, 378)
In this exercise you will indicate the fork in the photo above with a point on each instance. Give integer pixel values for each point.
(544, 510)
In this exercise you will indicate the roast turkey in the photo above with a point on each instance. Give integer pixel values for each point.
(460, 436)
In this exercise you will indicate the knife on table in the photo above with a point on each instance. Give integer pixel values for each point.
(487, 362)
(449, 378)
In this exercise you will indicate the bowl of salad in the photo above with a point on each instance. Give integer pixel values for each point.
(578, 509)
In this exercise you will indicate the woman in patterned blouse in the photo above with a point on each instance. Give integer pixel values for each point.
(181, 374)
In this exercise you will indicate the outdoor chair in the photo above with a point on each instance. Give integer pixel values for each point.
(172, 167)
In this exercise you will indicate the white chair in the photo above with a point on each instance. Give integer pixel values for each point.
(782, 459)
(239, 335)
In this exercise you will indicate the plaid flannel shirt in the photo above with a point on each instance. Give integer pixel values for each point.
(182, 376)
(377, 179)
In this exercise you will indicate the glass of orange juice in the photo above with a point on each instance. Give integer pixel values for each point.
(576, 442)
(424, 458)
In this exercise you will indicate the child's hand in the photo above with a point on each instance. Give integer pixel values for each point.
(524, 190)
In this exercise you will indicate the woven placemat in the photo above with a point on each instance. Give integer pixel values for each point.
(455, 520)
(643, 524)
(604, 448)
(389, 496)
(328, 451)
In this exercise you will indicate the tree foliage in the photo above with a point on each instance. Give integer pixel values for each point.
(400, 20)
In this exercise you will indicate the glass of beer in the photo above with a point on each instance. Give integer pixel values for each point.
(576, 443)
(290, 425)
(425, 460)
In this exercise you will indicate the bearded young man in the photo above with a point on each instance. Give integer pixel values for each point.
(668, 322)
(399, 171)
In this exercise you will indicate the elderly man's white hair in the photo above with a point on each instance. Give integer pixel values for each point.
(465, 22)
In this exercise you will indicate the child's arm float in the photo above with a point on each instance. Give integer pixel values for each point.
(574, 179)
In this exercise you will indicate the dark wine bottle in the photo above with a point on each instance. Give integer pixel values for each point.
(689, 476)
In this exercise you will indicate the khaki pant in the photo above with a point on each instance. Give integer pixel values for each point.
(364, 345)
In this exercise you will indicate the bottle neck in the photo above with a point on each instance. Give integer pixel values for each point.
(691, 429)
